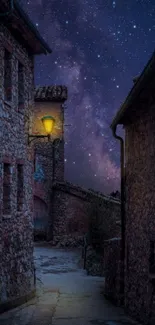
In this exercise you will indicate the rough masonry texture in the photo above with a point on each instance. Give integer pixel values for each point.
(49, 156)
(16, 161)
(140, 205)
(139, 124)
(16, 227)
(113, 270)
(72, 216)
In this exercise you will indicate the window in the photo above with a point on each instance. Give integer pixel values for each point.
(20, 187)
(7, 76)
(6, 189)
(20, 85)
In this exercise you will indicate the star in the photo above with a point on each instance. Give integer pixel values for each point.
(95, 53)
(114, 4)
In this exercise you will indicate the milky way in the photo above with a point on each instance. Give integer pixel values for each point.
(98, 47)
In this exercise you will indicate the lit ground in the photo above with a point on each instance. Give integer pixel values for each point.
(65, 294)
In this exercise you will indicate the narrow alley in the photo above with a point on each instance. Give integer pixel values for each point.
(65, 294)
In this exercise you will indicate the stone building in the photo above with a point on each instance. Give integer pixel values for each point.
(19, 43)
(137, 115)
(49, 156)
(62, 210)
(74, 208)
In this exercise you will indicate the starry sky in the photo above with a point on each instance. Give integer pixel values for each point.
(98, 47)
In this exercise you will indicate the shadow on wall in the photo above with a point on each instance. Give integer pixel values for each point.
(76, 210)
(40, 219)
(103, 217)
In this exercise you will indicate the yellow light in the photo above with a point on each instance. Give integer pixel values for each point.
(48, 122)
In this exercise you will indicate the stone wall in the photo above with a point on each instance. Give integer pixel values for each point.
(56, 110)
(104, 220)
(72, 209)
(112, 270)
(43, 178)
(104, 223)
(140, 207)
(49, 164)
(16, 168)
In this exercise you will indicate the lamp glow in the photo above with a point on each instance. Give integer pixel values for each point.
(48, 123)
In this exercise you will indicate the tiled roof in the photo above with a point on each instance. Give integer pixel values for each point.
(51, 93)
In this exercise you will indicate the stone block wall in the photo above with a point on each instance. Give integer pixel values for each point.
(72, 209)
(16, 170)
(49, 165)
(49, 162)
(140, 206)
(104, 220)
(56, 110)
(113, 270)
(43, 178)
(69, 215)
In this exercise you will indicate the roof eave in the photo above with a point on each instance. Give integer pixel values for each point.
(134, 92)
(45, 48)
(46, 100)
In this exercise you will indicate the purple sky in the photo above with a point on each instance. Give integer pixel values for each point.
(98, 47)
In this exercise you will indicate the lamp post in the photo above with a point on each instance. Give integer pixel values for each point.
(48, 123)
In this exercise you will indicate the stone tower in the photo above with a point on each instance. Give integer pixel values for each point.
(49, 156)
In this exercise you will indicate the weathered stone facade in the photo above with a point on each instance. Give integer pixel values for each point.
(104, 220)
(17, 278)
(71, 215)
(113, 270)
(49, 156)
(104, 223)
(140, 221)
(138, 117)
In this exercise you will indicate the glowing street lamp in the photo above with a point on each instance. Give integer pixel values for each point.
(48, 123)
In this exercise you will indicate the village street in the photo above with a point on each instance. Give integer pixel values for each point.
(65, 294)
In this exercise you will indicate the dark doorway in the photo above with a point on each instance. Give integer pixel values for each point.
(40, 219)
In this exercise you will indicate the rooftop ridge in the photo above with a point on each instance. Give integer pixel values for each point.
(54, 93)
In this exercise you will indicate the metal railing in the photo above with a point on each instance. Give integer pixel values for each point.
(84, 250)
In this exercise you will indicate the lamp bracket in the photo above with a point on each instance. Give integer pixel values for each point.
(32, 137)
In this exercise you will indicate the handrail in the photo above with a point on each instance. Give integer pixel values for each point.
(84, 250)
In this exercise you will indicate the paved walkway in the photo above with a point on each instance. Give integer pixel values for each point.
(65, 294)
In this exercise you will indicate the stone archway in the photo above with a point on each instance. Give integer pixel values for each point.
(40, 216)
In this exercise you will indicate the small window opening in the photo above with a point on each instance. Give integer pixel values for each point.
(20, 86)
(20, 187)
(7, 76)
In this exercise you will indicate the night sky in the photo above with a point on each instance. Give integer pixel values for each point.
(98, 47)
